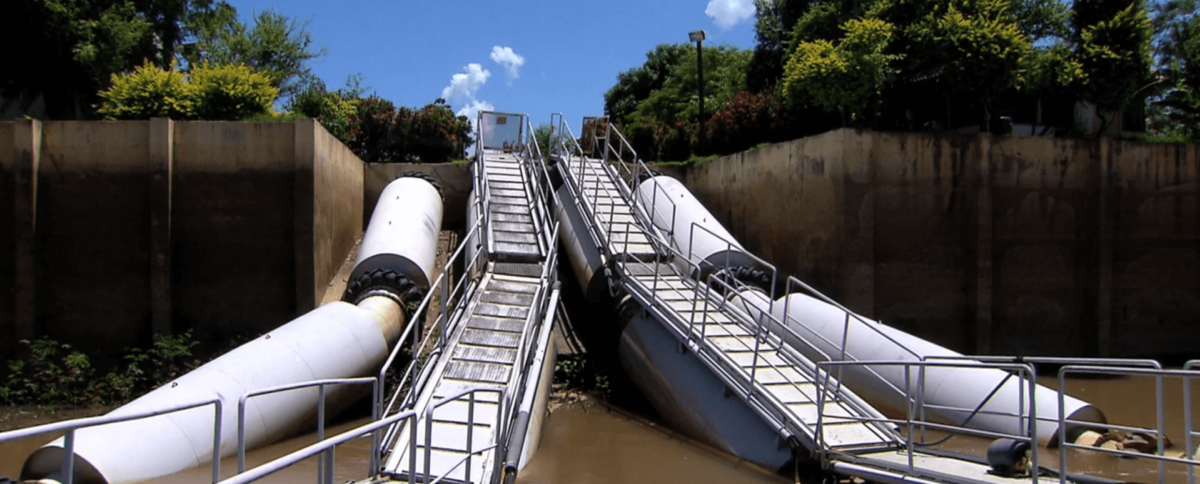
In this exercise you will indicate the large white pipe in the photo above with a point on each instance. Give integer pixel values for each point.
(697, 233)
(582, 252)
(337, 340)
(818, 329)
(403, 233)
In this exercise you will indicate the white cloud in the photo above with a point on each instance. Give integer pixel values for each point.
(474, 107)
(511, 61)
(464, 85)
(727, 13)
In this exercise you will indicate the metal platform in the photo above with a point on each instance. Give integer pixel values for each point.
(605, 202)
(494, 335)
(787, 390)
(483, 352)
(513, 226)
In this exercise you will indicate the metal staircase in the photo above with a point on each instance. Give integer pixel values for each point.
(478, 380)
(803, 400)
(775, 380)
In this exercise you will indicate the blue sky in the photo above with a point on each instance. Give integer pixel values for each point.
(532, 57)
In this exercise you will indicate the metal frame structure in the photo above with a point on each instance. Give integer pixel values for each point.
(67, 471)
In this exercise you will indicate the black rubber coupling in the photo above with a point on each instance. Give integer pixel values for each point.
(392, 283)
(424, 176)
(646, 175)
(748, 275)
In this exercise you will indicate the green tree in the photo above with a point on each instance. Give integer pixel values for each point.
(276, 45)
(333, 109)
(1042, 19)
(635, 85)
(547, 140)
(372, 128)
(1113, 48)
(846, 78)
(437, 135)
(774, 21)
(979, 45)
(66, 51)
(678, 98)
(1175, 113)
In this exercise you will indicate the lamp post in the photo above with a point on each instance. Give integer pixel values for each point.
(698, 38)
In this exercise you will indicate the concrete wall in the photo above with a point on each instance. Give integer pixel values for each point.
(454, 178)
(113, 231)
(1003, 245)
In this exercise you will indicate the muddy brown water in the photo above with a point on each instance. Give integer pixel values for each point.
(589, 443)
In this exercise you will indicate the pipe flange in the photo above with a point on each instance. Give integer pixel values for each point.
(424, 176)
(384, 282)
(646, 175)
(748, 275)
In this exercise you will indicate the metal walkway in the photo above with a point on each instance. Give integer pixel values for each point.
(777, 381)
(788, 391)
(479, 373)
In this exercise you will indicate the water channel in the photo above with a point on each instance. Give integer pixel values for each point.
(591, 442)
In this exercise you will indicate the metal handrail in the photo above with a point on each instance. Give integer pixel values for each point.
(67, 469)
(853, 400)
(1189, 434)
(1026, 371)
(1160, 431)
(441, 281)
(470, 427)
(328, 466)
(292, 458)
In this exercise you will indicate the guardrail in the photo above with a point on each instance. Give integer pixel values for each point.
(325, 465)
(292, 458)
(915, 419)
(441, 286)
(67, 470)
(1159, 432)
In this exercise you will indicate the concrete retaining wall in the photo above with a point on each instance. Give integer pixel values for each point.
(1003, 245)
(454, 178)
(116, 230)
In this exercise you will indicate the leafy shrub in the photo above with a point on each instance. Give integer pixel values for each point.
(401, 135)
(437, 135)
(742, 122)
(225, 92)
(148, 92)
(847, 77)
(371, 130)
(231, 92)
(333, 109)
(57, 374)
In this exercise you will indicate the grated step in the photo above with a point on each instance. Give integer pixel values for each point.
(501, 339)
(480, 372)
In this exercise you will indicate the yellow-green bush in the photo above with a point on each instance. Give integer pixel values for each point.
(148, 92)
(229, 92)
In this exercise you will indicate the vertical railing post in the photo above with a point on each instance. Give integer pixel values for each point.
(376, 415)
(216, 451)
(412, 448)
(1033, 436)
(470, 434)
(241, 435)
(68, 462)
(1187, 423)
(1062, 427)
(908, 415)
(1159, 420)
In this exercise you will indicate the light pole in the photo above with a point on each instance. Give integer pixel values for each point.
(698, 38)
